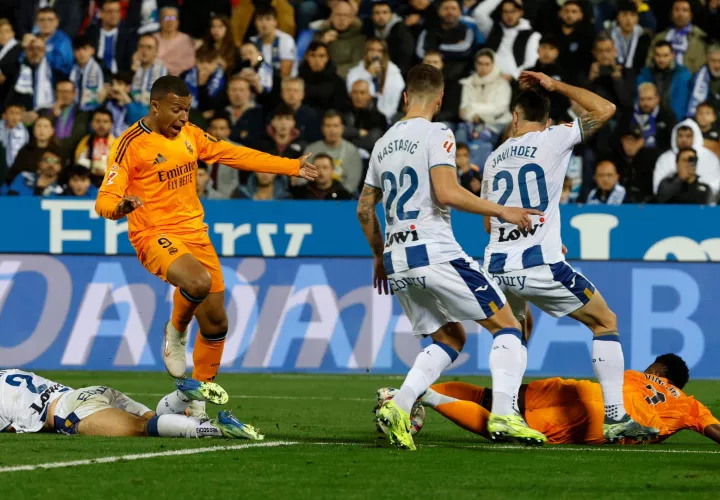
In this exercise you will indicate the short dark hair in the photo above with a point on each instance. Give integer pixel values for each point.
(201, 165)
(603, 36)
(168, 84)
(461, 145)
(424, 79)
(626, 6)
(79, 171)
(578, 3)
(266, 11)
(283, 109)
(219, 117)
(46, 10)
(606, 160)
(331, 113)
(80, 41)
(676, 370)
(326, 156)
(64, 80)
(205, 54)
(316, 44)
(123, 76)
(102, 111)
(550, 39)
(149, 36)
(706, 104)
(441, 2)
(533, 105)
(685, 127)
(684, 150)
(662, 43)
(381, 2)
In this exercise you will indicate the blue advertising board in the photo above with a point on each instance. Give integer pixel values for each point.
(330, 229)
(321, 315)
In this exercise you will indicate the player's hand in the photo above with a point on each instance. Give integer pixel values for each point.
(564, 250)
(380, 279)
(128, 205)
(308, 171)
(529, 79)
(519, 216)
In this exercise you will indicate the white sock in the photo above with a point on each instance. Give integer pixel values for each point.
(174, 403)
(609, 366)
(428, 366)
(433, 399)
(181, 426)
(508, 359)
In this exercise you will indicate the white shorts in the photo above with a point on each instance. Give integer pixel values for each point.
(435, 295)
(76, 405)
(557, 289)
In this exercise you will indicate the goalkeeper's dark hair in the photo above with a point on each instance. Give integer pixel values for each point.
(168, 85)
(676, 370)
(533, 105)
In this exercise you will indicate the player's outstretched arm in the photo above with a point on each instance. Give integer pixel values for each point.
(367, 215)
(713, 432)
(599, 110)
(452, 194)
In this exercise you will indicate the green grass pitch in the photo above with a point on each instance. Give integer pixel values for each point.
(332, 452)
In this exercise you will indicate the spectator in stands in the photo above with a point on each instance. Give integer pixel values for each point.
(566, 191)
(342, 35)
(34, 85)
(307, 119)
(469, 174)
(709, 18)
(325, 187)
(324, 89)
(607, 190)
(175, 49)
(113, 40)
(687, 134)
(390, 28)
(206, 81)
(87, 75)
(244, 11)
(456, 43)
(10, 51)
(631, 41)
(654, 120)
(484, 107)
(282, 138)
(705, 86)
(670, 78)
(512, 38)
(686, 40)
(419, 15)
(262, 186)
(147, 67)
(575, 36)
(348, 164)
(263, 79)
(68, 11)
(124, 110)
(31, 153)
(706, 118)
(79, 185)
(204, 184)
(93, 150)
(13, 134)
(69, 120)
(609, 79)
(43, 180)
(58, 46)
(246, 120)
(548, 53)
(364, 125)
(451, 99)
(276, 47)
(635, 163)
(685, 185)
(382, 75)
(224, 179)
(220, 39)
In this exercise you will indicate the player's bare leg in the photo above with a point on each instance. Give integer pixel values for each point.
(609, 367)
(193, 285)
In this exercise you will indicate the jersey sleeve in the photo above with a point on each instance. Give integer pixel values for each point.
(212, 150)
(441, 147)
(115, 183)
(372, 178)
(699, 416)
(566, 136)
(286, 49)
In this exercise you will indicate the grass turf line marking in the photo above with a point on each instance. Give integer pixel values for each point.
(143, 456)
(247, 396)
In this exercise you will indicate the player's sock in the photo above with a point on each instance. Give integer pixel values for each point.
(174, 403)
(428, 366)
(609, 366)
(184, 306)
(460, 390)
(507, 366)
(180, 426)
(207, 355)
(433, 399)
(468, 415)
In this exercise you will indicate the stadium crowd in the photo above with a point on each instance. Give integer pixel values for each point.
(294, 76)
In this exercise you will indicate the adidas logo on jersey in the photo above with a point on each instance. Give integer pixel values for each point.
(516, 233)
(160, 159)
(400, 237)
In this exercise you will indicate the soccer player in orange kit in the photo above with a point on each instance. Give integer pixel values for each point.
(572, 411)
(151, 178)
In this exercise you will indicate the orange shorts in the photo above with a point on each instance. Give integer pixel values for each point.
(157, 253)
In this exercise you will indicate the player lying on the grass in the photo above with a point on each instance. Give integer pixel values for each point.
(572, 411)
(31, 403)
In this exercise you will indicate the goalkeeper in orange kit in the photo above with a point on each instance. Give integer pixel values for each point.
(151, 179)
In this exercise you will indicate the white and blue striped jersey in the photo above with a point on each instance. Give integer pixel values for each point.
(24, 400)
(417, 225)
(528, 172)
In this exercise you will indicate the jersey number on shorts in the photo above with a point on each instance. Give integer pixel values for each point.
(523, 186)
(15, 380)
(409, 182)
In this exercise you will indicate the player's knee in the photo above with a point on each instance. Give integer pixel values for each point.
(218, 321)
(609, 320)
(198, 285)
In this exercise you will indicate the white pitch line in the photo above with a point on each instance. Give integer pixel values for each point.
(247, 396)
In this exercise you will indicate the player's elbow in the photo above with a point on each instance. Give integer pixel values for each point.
(608, 111)
(445, 195)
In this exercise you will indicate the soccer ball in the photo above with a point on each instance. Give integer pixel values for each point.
(417, 414)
